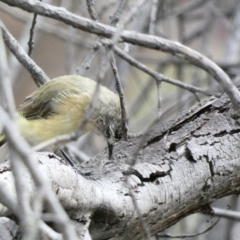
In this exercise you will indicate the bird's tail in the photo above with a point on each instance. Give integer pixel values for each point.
(2, 139)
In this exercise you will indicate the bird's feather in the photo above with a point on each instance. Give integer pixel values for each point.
(45, 100)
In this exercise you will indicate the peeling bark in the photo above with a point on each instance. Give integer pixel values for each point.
(183, 165)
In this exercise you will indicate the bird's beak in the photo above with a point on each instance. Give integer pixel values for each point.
(110, 150)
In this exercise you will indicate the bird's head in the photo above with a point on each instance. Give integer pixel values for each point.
(110, 127)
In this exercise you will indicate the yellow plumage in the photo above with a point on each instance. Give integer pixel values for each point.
(58, 106)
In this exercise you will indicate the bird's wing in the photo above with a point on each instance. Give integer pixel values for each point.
(43, 102)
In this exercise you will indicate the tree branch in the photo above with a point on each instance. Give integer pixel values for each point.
(184, 165)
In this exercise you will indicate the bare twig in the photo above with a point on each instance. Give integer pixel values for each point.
(116, 16)
(28, 220)
(25, 153)
(234, 215)
(5, 82)
(103, 69)
(87, 61)
(166, 235)
(189, 6)
(153, 16)
(49, 27)
(122, 102)
(133, 10)
(158, 76)
(92, 11)
(59, 139)
(76, 134)
(49, 232)
(121, 96)
(152, 42)
(112, 60)
(24, 211)
(225, 20)
(38, 75)
(96, 46)
(8, 198)
(31, 41)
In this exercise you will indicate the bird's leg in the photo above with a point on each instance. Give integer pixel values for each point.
(110, 150)
(67, 158)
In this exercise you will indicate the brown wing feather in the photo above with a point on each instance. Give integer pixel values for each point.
(42, 102)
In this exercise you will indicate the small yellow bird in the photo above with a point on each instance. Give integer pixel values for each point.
(58, 106)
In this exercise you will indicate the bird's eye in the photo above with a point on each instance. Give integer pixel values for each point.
(108, 133)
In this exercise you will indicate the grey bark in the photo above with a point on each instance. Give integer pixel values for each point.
(182, 166)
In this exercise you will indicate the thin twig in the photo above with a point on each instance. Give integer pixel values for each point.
(49, 232)
(225, 20)
(234, 215)
(167, 235)
(78, 132)
(123, 112)
(28, 220)
(91, 10)
(122, 23)
(37, 73)
(96, 46)
(26, 155)
(5, 82)
(9, 198)
(24, 211)
(116, 16)
(144, 40)
(87, 61)
(112, 60)
(189, 6)
(158, 76)
(103, 69)
(53, 141)
(121, 95)
(49, 27)
(31, 41)
(153, 17)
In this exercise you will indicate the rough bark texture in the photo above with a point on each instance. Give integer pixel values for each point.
(182, 166)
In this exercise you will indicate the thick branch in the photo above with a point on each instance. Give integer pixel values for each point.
(183, 166)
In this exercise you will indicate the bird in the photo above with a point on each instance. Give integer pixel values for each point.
(58, 106)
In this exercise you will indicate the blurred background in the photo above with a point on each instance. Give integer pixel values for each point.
(211, 27)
